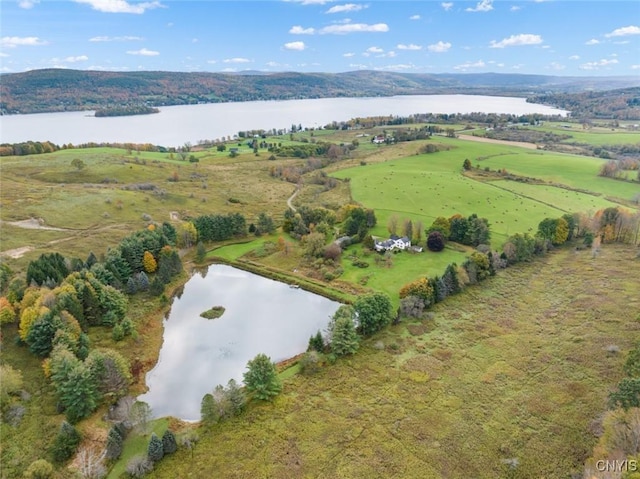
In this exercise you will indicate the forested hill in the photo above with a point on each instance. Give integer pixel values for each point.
(71, 90)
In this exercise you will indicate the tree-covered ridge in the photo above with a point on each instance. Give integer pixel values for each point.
(73, 90)
(622, 104)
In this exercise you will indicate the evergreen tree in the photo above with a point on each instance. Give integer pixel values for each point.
(169, 445)
(316, 343)
(114, 444)
(155, 451)
(236, 397)
(91, 260)
(65, 443)
(201, 252)
(344, 339)
(208, 410)
(41, 334)
(157, 287)
(142, 281)
(132, 286)
(262, 378)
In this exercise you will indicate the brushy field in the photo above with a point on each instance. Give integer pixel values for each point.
(506, 380)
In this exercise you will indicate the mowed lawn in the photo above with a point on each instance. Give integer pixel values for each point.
(511, 372)
(423, 187)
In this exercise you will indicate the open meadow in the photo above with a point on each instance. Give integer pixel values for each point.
(505, 380)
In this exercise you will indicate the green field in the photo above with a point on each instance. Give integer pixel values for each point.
(423, 187)
(598, 136)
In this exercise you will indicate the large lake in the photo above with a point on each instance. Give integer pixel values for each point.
(176, 125)
(262, 316)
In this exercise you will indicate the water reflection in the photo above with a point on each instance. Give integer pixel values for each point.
(261, 316)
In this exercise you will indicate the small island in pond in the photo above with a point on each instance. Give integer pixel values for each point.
(126, 110)
(213, 313)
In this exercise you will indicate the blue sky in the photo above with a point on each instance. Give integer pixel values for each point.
(536, 36)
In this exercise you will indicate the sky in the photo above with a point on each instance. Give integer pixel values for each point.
(550, 37)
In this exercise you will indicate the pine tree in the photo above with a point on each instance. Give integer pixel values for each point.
(316, 343)
(236, 397)
(142, 281)
(201, 252)
(66, 443)
(114, 444)
(155, 451)
(262, 378)
(132, 286)
(208, 410)
(157, 287)
(344, 339)
(169, 445)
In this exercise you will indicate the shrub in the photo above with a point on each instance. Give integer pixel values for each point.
(262, 378)
(39, 469)
(310, 363)
(66, 443)
(138, 466)
(435, 241)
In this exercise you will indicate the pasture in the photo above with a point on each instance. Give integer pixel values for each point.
(423, 187)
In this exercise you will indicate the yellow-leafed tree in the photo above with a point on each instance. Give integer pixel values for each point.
(149, 262)
(7, 313)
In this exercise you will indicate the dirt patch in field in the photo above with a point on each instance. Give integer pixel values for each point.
(33, 224)
(481, 139)
(17, 252)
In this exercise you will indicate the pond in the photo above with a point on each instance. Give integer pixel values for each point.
(261, 316)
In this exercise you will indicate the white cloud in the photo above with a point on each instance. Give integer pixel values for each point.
(12, 42)
(355, 28)
(194, 40)
(516, 40)
(298, 30)
(574, 57)
(359, 66)
(120, 6)
(624, 31)
(439, 47)
(310, 2)
(76, 59)
(623, 42)
(299, 46)
(401, 66)
(273, 64)
(126, 38)
(446, 5)
(374, 50)
(515, 8)
(415, 17)
(468, 65)
(556, 66)
(229, 70)
(212, 62)
(4, 55)
(144, 52)
(107, 69)
(410, 46)
(347, 7)
(28, 4)
(597, 65)
(390, 54)
(482, 6)
(635, 67)
(348, 55)
(593, 41)
(236, 60)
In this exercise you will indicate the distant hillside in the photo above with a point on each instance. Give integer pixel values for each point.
(622, 104)
(71, 90)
